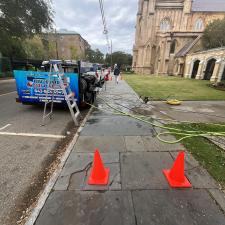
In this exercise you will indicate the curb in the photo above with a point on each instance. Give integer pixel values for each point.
(47, 190)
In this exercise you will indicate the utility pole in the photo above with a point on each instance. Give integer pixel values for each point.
(111, 56)
(56, 44)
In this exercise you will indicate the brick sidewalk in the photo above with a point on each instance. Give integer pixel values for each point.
(138, 192)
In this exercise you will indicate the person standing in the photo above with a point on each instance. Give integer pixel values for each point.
(116, 73)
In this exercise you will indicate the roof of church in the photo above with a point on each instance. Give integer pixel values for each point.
(183, 51)
(208, 5)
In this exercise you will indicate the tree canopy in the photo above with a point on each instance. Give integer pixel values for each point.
(214, 35)
(120, 58)
(94, 56)
(20, 19)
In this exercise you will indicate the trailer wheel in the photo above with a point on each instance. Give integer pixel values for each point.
(93, 97)
(83, 86)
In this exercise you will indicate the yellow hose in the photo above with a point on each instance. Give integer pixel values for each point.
(172, 131)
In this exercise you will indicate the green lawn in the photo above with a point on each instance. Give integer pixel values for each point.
(164, 87)
(208, 154)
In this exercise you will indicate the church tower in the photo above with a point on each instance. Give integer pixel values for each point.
(187, 6)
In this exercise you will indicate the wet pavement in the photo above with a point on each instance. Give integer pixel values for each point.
(137, 192)
(193, 111)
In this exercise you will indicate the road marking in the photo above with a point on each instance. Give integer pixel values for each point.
(8, 93)
(7, 81)
(2, 128)
(49, 186)
(32, 135)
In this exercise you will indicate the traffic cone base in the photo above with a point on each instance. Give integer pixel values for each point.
(176, 184)
(176, 175)
(103, 181)
(99, 175)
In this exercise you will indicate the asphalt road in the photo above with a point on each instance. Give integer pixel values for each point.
(7, 86)
(23, 157)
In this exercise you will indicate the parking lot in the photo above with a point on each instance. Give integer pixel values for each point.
(26, 148)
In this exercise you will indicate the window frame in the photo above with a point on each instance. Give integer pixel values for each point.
(165, 24)
(199, 25)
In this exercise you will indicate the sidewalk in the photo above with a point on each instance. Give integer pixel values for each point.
(138, 192)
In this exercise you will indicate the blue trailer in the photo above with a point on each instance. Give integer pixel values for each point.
(32, 85)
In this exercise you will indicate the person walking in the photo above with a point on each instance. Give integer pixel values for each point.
(116, 73)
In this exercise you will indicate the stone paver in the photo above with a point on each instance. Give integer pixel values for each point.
(134, 144)
(77, 169)
(178, 207)
(115, 126)
(200, 178)
(137, 193)
(104, 144)
(87, 208)
(144, 170)
(219, 196)
(153, 144)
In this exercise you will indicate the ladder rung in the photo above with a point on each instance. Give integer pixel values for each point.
(47, 101)
(47, 115)
(77, 114)
(62, 85)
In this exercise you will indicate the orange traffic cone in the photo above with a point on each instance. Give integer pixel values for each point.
(175, 176)
(99, 174)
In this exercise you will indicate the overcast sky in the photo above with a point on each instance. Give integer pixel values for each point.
(83, 16)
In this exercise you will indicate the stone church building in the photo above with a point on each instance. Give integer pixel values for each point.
(168, 32)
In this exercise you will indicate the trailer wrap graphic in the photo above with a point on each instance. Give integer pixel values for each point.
(32, 86)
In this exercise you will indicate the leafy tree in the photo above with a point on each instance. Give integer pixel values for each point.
(50, 48)
(214, 34)
(34, 48)
(121, 58)
(99, 56)
(20, 19)
(94, 56)
(90, 55)
(73, 51)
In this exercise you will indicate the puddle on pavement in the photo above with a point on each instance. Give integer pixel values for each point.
(145, 112)
(93, 121)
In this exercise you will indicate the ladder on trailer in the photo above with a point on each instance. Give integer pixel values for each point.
(58, 81)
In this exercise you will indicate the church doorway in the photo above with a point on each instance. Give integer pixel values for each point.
(223, 75)
(195, 69)
(209, 69)
(153, 57)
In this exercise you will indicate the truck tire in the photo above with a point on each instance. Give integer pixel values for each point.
(83, 86)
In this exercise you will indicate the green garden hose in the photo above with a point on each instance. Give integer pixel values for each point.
(185, 134)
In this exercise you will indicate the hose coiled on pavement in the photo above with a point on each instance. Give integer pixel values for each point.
(185, 134)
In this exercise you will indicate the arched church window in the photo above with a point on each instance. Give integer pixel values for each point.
(165, 25)
(199, 26)
(173, 46)
(148, 52)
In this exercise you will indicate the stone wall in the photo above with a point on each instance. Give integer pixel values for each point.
(197, 65)
(159, 23)
(69, 43)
